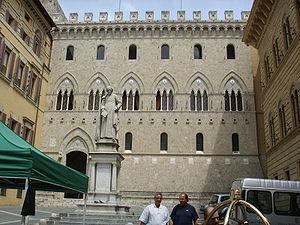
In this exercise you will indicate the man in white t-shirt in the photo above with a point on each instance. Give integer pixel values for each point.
(156, 213)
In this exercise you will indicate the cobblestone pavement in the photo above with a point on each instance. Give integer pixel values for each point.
(10, 215)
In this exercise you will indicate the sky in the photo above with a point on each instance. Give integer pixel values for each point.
(111, 6)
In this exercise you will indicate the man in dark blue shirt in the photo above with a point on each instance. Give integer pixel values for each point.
(184, 213)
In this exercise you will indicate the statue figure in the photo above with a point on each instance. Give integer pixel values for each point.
(107, 121)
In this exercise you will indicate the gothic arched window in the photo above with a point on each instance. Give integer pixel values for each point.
(163, 142)
(192, 100)
(136, 101)
(132, 52)
(158, 101)
(230, 51)
(197, 51)
(97, 100)
(170, 98)
(235, 142)
(70, 53)
(91, 101)
(165, 51)
(239, 101)
(164, 100)
(227, 101)
(71, 101)
(128, 141)
(100, 52)
(65, 100)
(205, 101)
(124, 101)
(199, 101)
(130, 101)
(199, 142)
(233, 101)
(59, 101)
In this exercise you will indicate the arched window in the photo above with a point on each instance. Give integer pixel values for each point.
(235, 142)
(132, 52)
(267, 68)
(239, 101)
(91, 100)
(128, 141)
(233, 101)
(37, 44)
(226, 100)
(205, 101)
(65, 100)
(272, 130)
(163, 142)
(97, 100)
(199, 142)
(124, 101)
(192, 100)
(158, 101)
(100, 52)
(171, 103)
(282, 120)
(165, 52)
(58, 101)
(230, 51)
(295, 107)
(197, 51)
(136, 101)
(199, 101)
(130, 101)
(70, 53)
(164, 100)
(71, 100)
(276, 52)
(287, 32)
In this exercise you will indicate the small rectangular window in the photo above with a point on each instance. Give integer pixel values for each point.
(261, 200)
(286, 203)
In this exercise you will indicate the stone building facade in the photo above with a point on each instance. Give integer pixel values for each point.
(274, 29)
(188, 119)
(25, 49)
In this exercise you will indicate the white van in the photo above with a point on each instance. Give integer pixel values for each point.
(278, 200)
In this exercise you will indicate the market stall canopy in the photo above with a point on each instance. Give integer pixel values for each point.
(20, 161)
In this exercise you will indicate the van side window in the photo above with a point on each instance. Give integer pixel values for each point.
(262, 200)
(287, 204)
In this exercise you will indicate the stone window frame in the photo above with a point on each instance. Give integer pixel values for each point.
(199, 142)
(164, 142)
(128, 141)
(70, 53)
(132, 52)
(100, 52)
(295, 105)
(282, 119)
(230, 51)
(199, 54)
(164, 51)
(235, 142)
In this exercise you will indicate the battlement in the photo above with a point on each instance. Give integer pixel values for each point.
(118, 17)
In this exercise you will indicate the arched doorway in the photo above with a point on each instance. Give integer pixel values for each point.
(76, 160)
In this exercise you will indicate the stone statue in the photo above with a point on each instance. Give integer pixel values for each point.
(107, 121)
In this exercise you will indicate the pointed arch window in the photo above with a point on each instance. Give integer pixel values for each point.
(239, 101)
(163, 142)
(170, 99)
(59, 100)
(230, 51)
(282, 120)
(233, 101)
(97, 100)
(91, 100)
(132, 52)
(100, 52)
(136, 101)
(128, 141)
(192, 100)
(205, 101)
(65, 100)
(226, 100)
(70, 53)
(272, 130)
(287, 32)
(130, 101)
(235, 143)
(199, 142)
(71, 101)
(197, 51)
(295, 107)
(165, 51)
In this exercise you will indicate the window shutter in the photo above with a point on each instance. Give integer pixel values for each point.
(38, 88)
(25, 81)
(17, 66)
(11, 65)
(29, 83)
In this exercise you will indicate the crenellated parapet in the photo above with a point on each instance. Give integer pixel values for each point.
(119, 28)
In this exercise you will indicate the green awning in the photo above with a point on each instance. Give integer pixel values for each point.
(19, 160)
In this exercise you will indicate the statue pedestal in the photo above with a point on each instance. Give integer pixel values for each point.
(104, 166)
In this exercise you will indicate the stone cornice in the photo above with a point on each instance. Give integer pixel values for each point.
(143, 29)
(257, 21)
